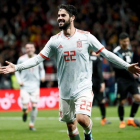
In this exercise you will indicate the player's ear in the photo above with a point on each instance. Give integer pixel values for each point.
(72, 18)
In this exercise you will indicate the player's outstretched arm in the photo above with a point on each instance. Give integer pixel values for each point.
(133, 68)
(97, 47)
(26, 65)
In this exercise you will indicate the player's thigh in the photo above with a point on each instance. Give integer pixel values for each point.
(34, 96)
(133, 89)
(25, 97)
(66, 110)
(83, 103)
(121, 90)
(99, 96)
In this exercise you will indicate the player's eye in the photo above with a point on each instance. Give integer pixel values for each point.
(63, 15)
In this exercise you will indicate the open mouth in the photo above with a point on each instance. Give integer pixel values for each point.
(61, 22)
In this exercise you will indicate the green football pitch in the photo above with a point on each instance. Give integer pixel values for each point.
(49, 128)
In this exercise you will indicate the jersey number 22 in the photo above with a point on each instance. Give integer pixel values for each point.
(69, 55)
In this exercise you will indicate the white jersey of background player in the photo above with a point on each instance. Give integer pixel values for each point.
(29, 81)
(71, 48)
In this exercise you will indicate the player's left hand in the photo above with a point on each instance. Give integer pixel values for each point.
(133, 68)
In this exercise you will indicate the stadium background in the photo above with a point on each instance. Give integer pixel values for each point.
(23, 21)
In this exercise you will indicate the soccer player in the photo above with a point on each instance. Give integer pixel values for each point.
(29, 81)
(98, 85)
(71, 49)
(125, 81)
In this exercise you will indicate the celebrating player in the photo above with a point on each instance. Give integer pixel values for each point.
(29, 81)
(71, 48)
(125, 81)
(98, 85)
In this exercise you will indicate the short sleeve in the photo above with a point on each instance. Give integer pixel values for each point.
(94, 44)
(48, 50)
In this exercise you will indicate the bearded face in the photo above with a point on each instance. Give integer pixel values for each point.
(124, 43)
(64, 24)
(63, 19)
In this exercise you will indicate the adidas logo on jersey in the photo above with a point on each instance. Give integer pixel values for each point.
(60, 47)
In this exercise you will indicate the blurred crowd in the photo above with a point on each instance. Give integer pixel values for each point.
(23, 21)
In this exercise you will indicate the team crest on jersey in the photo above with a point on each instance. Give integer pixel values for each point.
(79, 44)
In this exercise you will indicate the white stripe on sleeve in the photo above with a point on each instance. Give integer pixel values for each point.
(114, 59)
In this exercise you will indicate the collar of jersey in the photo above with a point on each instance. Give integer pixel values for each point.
(70, 36)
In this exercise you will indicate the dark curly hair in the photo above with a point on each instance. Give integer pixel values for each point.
(70, 9)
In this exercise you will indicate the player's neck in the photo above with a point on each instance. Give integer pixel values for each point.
(70, 31)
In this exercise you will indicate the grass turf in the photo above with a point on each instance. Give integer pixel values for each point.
(49, 128)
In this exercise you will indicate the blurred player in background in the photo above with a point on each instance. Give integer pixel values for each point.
(98, 85)
(71, 49)
(29, 81)
(125, 81)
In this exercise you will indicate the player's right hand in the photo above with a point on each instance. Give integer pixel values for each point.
(7, 69)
